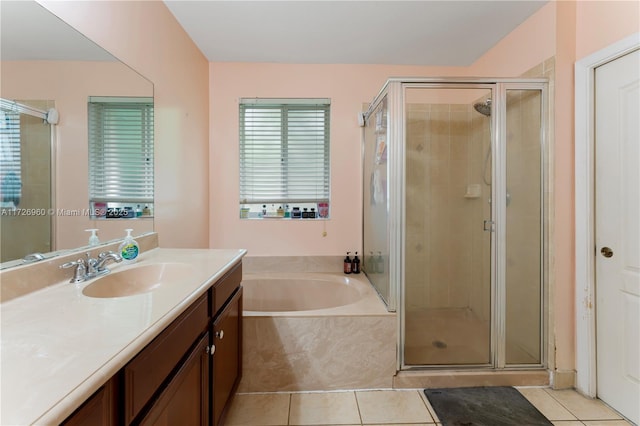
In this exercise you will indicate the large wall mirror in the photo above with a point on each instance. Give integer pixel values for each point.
(47, 67)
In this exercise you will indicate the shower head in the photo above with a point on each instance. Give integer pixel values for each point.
(484, 108)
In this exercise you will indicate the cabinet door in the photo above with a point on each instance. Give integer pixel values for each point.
(145, 374)
(227, 359)
(185, 400)
(98, 410)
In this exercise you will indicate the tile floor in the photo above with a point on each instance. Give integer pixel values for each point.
(398, 407)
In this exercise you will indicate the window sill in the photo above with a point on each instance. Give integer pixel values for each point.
(280, 218)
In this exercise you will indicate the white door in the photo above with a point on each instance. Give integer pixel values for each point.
(617, 189)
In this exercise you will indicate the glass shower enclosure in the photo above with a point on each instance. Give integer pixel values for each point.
(455, 219)
(26, 186)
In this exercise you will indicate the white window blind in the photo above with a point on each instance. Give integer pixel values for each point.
(10, 159)
(284, 151)
(121, 149)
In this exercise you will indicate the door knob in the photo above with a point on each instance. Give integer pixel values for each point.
(606, 252)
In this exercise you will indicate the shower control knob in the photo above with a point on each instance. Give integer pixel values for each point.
(606, 252)
(220, 334)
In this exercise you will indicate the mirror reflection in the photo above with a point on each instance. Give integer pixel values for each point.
(50, 75)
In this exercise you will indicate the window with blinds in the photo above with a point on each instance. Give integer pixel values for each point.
(284, 152)
(10, 160)
(121, 150)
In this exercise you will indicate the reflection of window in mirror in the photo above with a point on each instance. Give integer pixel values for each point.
(10, 160)
(120, 157)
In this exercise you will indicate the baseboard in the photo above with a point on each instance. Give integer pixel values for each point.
(563, 379)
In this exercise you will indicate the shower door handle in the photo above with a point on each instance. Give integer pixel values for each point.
(488, 225)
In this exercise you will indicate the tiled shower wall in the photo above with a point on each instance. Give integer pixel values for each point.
(447, 249)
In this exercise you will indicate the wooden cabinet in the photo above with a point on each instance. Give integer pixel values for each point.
(185, 400)
(187, 375)
(99, 410)
(145, 374)
(227, 360)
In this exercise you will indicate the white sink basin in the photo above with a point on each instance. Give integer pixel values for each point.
(137, 280)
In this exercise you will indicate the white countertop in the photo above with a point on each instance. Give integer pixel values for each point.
(59, 346)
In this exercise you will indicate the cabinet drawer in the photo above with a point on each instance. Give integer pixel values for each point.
(224, 288)
(146, 372)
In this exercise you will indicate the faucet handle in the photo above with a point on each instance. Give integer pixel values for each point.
(80, 272)
(105, 254)
(91, 264)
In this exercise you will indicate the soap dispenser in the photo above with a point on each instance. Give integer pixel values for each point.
(93, 239)
(355, 264)
(129, 249)
(347, 264)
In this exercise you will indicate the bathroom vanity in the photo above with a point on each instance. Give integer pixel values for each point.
(169, 355)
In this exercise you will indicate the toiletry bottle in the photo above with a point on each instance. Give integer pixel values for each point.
(93, 239)
(138, 211)
(129, 248)
(380, 263)
(355, 264)
(146, 211)
(347, 264)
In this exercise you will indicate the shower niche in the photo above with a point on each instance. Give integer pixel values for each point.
(455, 205)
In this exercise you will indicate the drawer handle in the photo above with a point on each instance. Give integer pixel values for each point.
(220, 334)
(211, 349)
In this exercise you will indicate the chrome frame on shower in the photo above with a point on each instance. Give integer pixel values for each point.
(394, 89)
(14, 106)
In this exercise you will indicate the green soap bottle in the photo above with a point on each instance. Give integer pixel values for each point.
(129, 249)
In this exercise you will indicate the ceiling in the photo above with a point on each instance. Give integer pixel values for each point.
(419, 32)
(30, 32)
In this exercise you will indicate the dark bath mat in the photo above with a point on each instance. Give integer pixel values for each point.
(484, 406)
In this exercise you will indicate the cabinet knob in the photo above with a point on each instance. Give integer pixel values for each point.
(220, 334)
(211, 349)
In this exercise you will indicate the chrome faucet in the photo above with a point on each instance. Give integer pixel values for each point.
(91, 268)
(104, 258)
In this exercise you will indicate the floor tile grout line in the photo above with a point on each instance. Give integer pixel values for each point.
(559, 403)
(355, 395)
(588, 398)
(425, 399)
(289, 411)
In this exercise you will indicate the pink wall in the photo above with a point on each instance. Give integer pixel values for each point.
(348, 86)
(601, 23)
(146, 36)
(69, 84)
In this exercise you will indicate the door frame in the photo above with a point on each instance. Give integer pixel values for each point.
(585, 284)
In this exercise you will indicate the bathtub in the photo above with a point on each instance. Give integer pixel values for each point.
(287, 293)
(315, 331)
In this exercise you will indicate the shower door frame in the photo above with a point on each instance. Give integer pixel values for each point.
(20, 108)
(394, 89)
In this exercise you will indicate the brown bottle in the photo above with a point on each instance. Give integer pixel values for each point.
(347, 264)
(355, 264)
